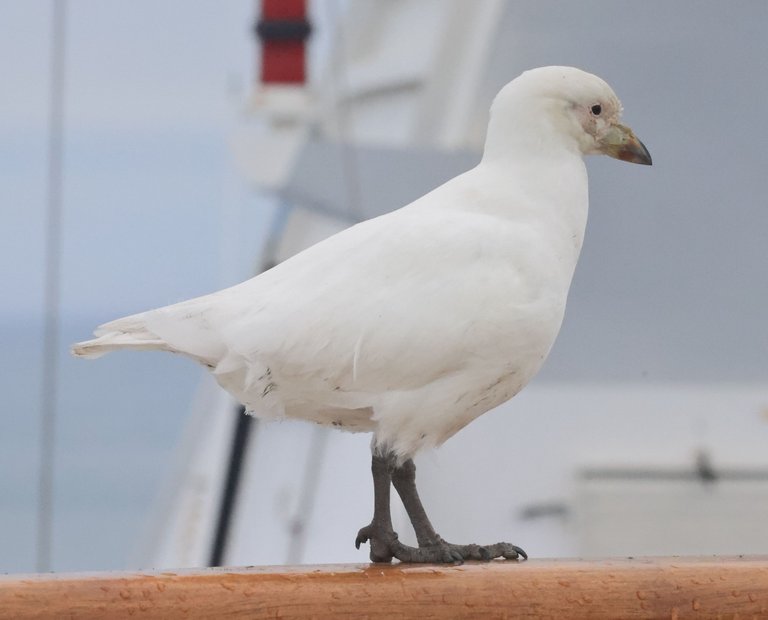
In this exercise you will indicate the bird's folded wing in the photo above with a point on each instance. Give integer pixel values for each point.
(358, 315)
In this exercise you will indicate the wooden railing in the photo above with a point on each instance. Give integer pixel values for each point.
(568, 589)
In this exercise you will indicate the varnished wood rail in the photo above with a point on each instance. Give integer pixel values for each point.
(735, 588)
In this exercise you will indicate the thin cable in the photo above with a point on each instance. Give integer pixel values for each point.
(245, 424)
(270, 254)
(50, 370)
(303, 516)
(242, 433)
(349, 157)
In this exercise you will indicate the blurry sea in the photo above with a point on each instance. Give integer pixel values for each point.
(119, 419)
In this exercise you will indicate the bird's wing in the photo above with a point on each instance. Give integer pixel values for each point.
(392, 303)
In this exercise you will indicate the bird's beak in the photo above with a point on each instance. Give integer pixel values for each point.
(621, 142)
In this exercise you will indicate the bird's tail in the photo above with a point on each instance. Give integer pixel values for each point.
(97, 347)
(127, 333)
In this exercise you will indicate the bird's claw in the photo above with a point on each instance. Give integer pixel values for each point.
(382, 542)
(506, 551)
(385, 546)
(363, 536)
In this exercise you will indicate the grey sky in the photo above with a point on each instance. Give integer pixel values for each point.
(672, 283)
(151, 95)
(151, 98)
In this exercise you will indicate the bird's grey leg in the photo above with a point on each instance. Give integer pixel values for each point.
(404, 481)
(380, 531)
(384, 542)
(431, 545)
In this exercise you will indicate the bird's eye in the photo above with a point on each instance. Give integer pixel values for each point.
(596, 109)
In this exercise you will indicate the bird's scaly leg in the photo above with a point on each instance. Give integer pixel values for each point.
(431, 546)
(380, 531)
(384, 542)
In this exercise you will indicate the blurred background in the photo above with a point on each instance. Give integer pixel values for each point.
(189, 144)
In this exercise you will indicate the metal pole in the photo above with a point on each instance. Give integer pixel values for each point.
(50, 369)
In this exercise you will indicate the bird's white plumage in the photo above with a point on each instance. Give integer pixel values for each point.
(412, 324)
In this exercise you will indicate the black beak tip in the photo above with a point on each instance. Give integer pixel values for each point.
(636, 154)
(646, 158)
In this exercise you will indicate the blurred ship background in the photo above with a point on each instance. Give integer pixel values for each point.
(645, 433)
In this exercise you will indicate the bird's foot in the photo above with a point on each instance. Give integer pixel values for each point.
(385, 546)
(446, 552)
(485, 553)
(382, 542)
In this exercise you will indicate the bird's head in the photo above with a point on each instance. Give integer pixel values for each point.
(564, 105)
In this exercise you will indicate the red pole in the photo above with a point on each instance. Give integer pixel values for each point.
(283, 29)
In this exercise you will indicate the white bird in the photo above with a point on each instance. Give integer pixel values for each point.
(413, 324)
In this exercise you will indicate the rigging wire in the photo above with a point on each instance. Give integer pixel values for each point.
(318, 441)
(52, 294)
(299, 524)
(350, 161)
(354, 210)
(245, 425)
